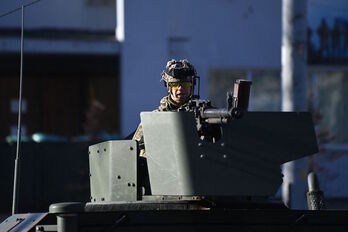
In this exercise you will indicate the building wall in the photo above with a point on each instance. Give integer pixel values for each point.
(62, 19)
(77, 14)
(68, 45)
(212, 35)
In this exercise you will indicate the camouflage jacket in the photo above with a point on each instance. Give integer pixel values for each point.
(166, 104)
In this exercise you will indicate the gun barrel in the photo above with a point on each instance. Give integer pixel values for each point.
(216, 120)
(215, 113)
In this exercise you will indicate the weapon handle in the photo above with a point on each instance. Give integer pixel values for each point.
(241, 94)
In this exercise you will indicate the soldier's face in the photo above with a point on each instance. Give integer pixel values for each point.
(180, 91)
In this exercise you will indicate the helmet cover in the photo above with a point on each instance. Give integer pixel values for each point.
(177, 71)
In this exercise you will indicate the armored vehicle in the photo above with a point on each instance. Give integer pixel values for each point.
(204, 169)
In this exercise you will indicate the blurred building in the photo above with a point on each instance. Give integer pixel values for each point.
(71, 61)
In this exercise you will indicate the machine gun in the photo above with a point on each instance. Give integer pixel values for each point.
(209, 119)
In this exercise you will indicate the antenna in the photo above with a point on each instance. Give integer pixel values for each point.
(17, 160)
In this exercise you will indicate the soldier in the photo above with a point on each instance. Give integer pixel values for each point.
(179, 78)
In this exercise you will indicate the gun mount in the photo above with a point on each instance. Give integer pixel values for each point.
(202, 151)
(208, 117)
(236, 105)
(245, 162)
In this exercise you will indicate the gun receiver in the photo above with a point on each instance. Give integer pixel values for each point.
(209, 118)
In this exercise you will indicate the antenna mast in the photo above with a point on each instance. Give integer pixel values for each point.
(17, 160)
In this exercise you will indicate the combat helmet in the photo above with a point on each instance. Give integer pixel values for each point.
(178, 71)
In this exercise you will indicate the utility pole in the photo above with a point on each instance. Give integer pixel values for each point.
(294, 96)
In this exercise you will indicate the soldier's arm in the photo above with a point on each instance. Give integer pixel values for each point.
(138, 136)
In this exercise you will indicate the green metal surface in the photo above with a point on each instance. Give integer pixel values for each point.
(245, 162)
(113, 171)
(67, 207)
(67, 223)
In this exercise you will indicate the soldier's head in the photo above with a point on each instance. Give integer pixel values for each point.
(179, 78)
